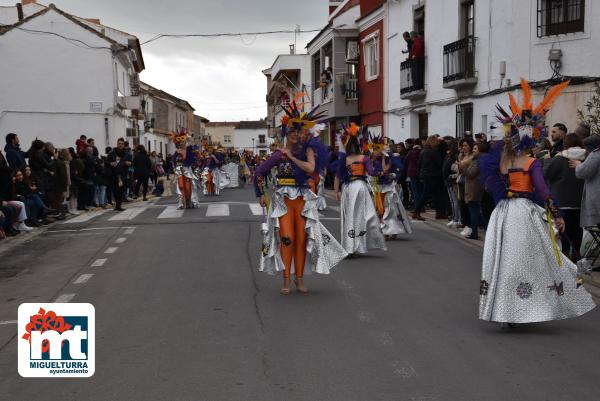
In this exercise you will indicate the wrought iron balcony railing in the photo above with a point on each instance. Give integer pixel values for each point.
(459, 62)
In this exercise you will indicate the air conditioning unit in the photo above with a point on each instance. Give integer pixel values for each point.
(352, 52)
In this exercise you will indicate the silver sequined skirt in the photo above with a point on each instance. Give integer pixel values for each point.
(521, 281)
(395, 219)
(361, 230)
(322, 249)
(187, 172)
(321, 201)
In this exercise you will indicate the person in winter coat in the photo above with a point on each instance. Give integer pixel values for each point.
(589, 171)
(411, 163)
(449, 174)
(430, 172)
(14, 155)
(142, 168)
(473, 188)
(567, 189)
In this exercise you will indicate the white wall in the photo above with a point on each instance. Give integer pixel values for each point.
(243, 139)
(511, 37)
(48, 83)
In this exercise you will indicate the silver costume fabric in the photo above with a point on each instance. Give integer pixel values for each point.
(191, 174)
(361, 230)
(323, 251)
(395, 219)
(521, 281)
(321, 202)
(220, 180)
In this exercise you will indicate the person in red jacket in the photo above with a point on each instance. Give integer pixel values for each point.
(417, 55)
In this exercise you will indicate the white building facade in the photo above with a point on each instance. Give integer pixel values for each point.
(477, 50)
(56, 89)
(252, 136)
(288, 79)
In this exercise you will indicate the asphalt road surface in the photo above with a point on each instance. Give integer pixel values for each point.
(183, 314)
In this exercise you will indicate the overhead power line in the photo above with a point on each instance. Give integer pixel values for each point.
(226, 34)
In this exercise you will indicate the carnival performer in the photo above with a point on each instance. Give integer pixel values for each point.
(295, 241)
(361, 230)
(390, 210)
(318, 177)
(525, 277)
(184, 161)
(213, 178)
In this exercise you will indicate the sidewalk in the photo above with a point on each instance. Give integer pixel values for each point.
(10, 243)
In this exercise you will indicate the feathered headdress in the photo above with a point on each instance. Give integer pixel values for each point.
(526, 124)
(297, 120)
(179, 137)
(377, 142)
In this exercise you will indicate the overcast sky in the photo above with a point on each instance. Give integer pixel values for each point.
(220, 77)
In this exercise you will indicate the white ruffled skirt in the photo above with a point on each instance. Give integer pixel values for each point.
(322, 249)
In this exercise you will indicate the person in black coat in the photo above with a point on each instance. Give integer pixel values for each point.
(430, 170)
(567, 189)
(142, 168)
(119, 161)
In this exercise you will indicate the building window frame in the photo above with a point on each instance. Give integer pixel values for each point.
(464, 119)
(560, 17)
(371, 56)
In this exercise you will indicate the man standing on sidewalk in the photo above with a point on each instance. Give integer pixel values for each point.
(119, 161)
(14, 155)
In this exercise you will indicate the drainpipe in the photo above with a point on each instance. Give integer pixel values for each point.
(20, 11)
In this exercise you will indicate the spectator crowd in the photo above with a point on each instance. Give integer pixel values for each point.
(45, 184)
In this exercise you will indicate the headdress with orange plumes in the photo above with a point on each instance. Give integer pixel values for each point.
(526, 124)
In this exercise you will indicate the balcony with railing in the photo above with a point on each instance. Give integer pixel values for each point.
(323, 94)
(348, 85)
(459, 63)
(412, 79)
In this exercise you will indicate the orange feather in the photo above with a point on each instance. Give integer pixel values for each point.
(551, 97)
(514, 105)
(527, 98)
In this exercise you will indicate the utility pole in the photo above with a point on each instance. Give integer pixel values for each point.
(296, 32)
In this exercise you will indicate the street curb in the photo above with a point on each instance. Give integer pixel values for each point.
(11, 243)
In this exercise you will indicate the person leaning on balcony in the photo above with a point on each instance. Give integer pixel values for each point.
(409, 43)
(417, 54)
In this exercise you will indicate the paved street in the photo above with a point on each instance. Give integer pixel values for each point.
(183, 314)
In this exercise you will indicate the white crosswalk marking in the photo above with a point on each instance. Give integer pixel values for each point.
(171, 212)
(64, 298)
(256, 209)
(85, 217)
(217, 210)
(128, 214)
(334, 208)
(84, 278)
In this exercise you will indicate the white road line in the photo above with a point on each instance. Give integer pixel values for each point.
(85, 217)
(120, 240)
(129, 231)
(6, 322)
(112, 249)
(217, 210)
(64, 298)
(99, 262)
(329, 218)
(171, 212)
(128, 214)
(84, 278)
(256, 209)
(334, 208)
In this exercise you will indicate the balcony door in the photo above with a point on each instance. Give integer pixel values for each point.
(468, 33)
